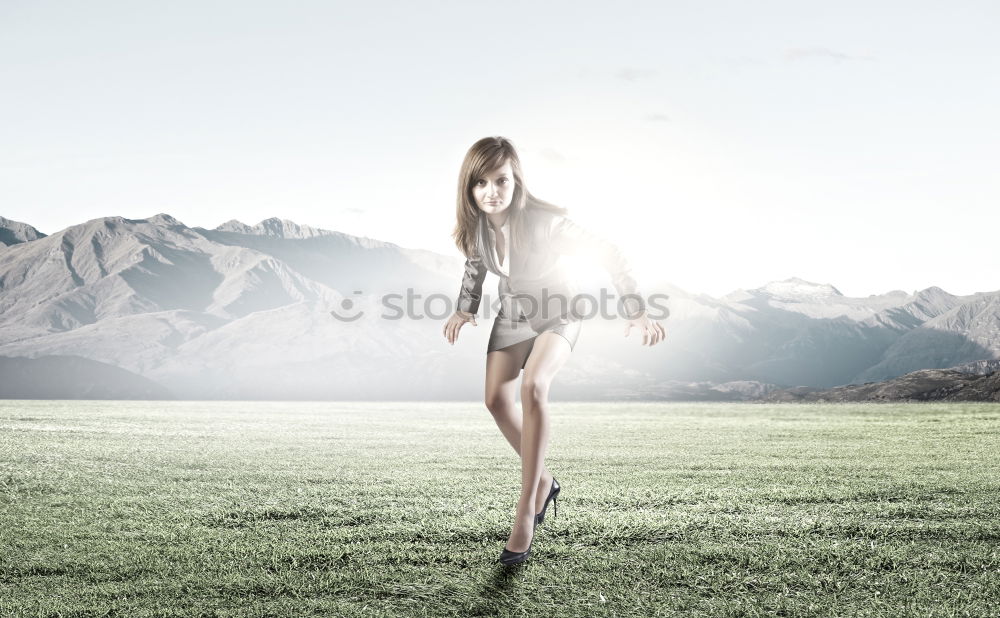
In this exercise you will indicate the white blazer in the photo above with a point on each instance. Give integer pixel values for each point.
(534, 282)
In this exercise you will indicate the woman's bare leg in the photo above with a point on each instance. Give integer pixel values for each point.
(502, 369)
(549, 354)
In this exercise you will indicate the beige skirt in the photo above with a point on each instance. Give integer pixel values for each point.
(507, 332)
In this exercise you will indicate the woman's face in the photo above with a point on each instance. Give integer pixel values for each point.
(494, 191)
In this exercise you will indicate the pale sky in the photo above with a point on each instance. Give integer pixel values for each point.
(721, 144)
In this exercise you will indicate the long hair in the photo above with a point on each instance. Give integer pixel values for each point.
(482, 158)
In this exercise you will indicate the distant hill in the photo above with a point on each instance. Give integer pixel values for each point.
(922, 385)
(72, 377)
(15, 232)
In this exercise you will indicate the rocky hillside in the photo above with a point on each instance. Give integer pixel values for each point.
(922, 385)
(15, 232)
(73, 377)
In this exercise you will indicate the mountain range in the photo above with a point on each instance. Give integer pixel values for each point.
(244, 312)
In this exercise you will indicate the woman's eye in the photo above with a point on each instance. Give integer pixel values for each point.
(480, 182)
(504, 181)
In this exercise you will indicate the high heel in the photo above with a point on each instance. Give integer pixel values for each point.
(510, 558)
(553, 493)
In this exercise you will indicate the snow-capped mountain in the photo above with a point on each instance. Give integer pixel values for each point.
(799, 290)
(244, 311)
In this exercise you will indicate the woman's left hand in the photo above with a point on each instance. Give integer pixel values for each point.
(652, 331)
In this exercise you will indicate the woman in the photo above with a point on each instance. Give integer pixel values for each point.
(504, 229)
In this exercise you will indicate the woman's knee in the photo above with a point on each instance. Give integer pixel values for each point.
(534, 388)
(498, 401)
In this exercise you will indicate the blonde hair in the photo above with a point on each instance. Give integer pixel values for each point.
(486, 155)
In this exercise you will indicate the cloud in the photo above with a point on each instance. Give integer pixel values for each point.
(552, 155)
(742, 61)
(801, 53)
(657, 118)
(631, 75)
(355, 211)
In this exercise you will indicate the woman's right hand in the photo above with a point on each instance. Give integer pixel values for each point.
(455, 323)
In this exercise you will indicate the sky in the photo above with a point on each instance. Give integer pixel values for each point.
(721, 145)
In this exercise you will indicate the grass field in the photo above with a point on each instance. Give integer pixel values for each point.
(300, 509)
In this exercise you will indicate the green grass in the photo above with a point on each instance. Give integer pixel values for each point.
(297, 509)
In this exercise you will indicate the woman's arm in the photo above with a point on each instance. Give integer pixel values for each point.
(468, 299)
(472, 286)
(565, 236)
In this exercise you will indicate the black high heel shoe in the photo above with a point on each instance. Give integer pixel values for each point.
(510, 558)
(553, 492)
